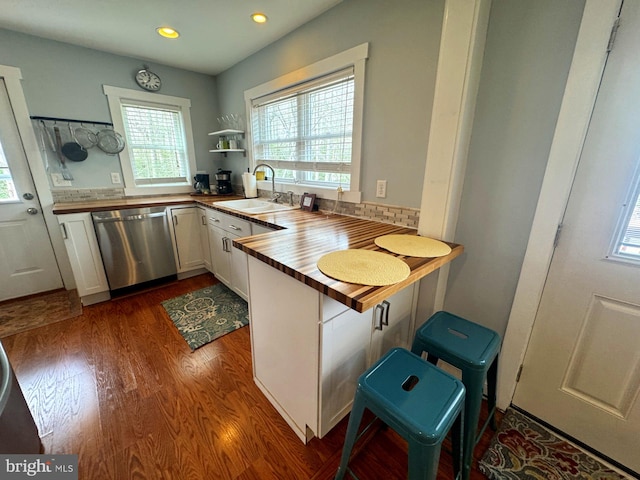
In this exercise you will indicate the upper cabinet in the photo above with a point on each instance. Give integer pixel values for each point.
(229, 140)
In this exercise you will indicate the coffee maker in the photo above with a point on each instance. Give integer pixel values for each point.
(202, 182)
(223, 177)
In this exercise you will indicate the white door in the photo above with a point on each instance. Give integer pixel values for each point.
(27, 261)
(581, 372)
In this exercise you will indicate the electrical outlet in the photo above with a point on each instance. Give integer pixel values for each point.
(381, 188)
(115, 177)
(58, 180)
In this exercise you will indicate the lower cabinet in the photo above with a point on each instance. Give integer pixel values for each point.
(228, 264)
(393, 323)
(84, 255)
(186, 225)
(309, 350)
(203, 229)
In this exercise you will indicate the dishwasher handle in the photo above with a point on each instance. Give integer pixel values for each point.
(129, 218)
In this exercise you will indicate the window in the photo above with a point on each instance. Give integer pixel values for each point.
(627, 243)
(158, 157)
(7, 187)
(306, 133)
(307, 125)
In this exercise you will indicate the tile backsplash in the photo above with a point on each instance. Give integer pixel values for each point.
(405, 216)
(86, 194)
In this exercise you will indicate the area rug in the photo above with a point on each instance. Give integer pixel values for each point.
(523, 449)
(36, 311)
(207, 314)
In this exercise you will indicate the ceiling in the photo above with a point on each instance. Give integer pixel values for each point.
(214, 34)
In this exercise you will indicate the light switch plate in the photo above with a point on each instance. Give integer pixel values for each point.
(381, 188)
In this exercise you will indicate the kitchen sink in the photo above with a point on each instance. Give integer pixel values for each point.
(252, 206)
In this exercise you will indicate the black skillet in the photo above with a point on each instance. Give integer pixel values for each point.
(73, 150)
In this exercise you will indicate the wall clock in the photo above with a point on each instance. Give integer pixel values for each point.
(148, 80)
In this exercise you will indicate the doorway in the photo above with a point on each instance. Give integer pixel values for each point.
(581, 372)
(27, 261)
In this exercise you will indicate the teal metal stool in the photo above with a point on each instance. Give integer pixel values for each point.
(419, 401)
(474, 350)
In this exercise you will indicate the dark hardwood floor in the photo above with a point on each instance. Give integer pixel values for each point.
(120, 387)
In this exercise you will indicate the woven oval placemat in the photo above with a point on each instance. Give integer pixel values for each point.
(363, 267)
(413, 245)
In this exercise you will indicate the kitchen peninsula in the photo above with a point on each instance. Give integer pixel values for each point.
(311, 335)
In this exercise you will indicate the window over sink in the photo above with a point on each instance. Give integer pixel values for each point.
(307, 125)
(159, 154)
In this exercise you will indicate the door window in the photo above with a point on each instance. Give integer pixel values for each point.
(7, 187)
(627, 242)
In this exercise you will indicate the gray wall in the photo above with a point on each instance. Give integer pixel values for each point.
(62, 80)
(527, 57)
(403, 38)
(528, 53)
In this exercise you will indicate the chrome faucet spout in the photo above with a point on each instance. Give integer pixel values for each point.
(274, 197)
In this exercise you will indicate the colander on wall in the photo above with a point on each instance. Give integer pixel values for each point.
(110, 141)
(85, 137)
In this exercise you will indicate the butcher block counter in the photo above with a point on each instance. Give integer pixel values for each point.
(303, 237)
(133, 202)
(309, 235)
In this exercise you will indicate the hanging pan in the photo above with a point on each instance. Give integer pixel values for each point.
(73, 150)
(110, 142)
(85, 137)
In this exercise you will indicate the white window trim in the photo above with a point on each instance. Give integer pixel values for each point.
(115, 96)
(355, 57)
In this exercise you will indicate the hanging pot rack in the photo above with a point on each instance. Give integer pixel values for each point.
(70, 120)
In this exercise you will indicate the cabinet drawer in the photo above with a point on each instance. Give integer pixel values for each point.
(229, 223)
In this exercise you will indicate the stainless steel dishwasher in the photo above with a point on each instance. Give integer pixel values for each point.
(135, 245)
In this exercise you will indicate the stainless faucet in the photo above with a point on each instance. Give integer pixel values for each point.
(274, 195)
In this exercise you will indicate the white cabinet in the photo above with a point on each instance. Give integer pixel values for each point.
(84, 255)
(309, 350)
(186, 222)
(229, 264)
(392, 323)
(285, 344)
(204, 238)
(345, 341)
(352, 342)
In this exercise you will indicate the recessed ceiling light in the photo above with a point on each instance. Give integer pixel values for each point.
(167, 32)
(259, 17)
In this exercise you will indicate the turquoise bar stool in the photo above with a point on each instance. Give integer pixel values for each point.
(419, 401)
(474, 350)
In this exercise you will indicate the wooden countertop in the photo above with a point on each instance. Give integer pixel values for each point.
(303, 237)
(307, 236)
(135, 202)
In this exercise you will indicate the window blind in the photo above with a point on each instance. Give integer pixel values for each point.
(307, 127)
(156, 143)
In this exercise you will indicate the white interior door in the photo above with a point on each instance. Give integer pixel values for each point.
(581, 372)
(27, 261)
